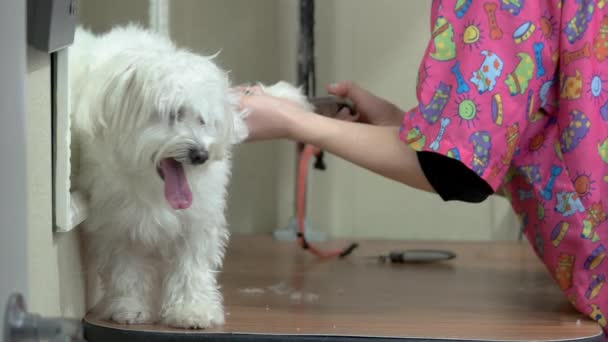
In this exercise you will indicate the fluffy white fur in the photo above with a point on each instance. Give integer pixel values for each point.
(138, 101)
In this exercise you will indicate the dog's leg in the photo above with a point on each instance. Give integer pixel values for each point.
(130, 283)
(192, 299)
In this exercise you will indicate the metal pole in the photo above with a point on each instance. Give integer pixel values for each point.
(306, 74)
(306, 47)
(307, 80)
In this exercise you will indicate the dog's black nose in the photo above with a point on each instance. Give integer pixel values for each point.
(198, 156)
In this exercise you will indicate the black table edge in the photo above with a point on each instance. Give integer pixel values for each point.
(99, 333)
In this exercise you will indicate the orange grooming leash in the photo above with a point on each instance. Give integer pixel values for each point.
(308, 152)
(307, 78)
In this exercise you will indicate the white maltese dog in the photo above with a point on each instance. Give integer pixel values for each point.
(154, 127)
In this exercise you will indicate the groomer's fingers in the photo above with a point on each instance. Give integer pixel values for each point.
(249, 90)
(346, 115)
(350, 90)
(242, 87)
(340, 89)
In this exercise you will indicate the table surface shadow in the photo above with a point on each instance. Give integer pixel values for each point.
(274, 291)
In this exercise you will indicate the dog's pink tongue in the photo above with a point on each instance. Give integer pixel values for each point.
(177, 190)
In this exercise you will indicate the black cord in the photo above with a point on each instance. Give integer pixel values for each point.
(348, 250)
(305, 244)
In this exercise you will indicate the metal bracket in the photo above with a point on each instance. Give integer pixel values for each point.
(51, 24)
(22, 326)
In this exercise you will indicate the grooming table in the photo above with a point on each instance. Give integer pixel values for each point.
(274, 291)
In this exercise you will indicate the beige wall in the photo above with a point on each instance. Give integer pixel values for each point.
(54, 271)
(100, 16)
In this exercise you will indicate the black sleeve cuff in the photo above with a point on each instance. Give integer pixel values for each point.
(453, 180)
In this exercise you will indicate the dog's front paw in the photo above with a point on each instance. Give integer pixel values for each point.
(193, 316)
(132, 317)
(126, 311)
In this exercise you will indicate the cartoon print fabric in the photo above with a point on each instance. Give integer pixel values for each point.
(518, 91)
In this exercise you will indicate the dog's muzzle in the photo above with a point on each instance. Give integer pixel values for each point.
(198, 156)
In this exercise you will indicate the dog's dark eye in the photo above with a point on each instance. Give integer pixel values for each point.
(181, 113)
(201, 121)
(178, 116)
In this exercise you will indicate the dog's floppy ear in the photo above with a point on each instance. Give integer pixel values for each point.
(105, 95)
(121, 94)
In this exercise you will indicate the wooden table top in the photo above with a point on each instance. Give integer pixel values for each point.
(274, 290)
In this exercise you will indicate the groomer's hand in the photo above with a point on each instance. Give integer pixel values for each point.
(370, 108)
(376, 148)
(268, 117)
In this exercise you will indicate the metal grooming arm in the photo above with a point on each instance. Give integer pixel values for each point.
(307, 80)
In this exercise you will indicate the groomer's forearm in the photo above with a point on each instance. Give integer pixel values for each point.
(376, 148)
